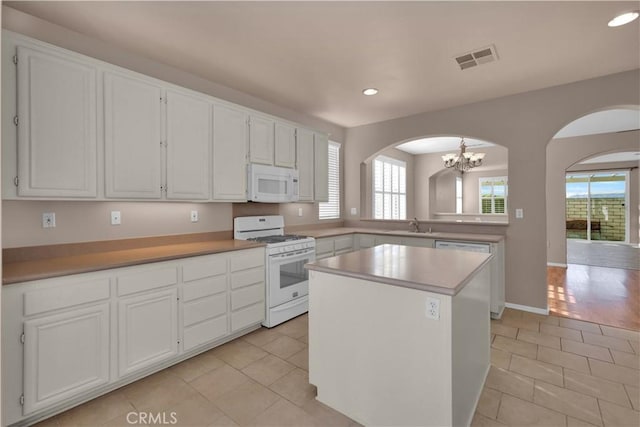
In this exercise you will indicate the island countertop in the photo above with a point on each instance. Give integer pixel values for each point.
(427, 269)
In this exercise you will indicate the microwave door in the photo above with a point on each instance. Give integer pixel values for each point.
(272, 188)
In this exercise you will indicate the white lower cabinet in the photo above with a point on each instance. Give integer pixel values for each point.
(89, 333)
(147, 330)
(65, 355)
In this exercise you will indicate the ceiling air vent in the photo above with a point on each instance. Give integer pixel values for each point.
(478, 57)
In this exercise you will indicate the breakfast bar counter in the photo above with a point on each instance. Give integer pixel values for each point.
(399, 335)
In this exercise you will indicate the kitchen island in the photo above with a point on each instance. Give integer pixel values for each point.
(399, 335)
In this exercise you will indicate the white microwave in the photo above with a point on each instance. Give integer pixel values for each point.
(271, 184)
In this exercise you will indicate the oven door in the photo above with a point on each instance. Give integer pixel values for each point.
(288, 279)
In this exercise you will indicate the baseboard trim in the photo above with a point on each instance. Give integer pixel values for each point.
(536, 310)
(556, 264)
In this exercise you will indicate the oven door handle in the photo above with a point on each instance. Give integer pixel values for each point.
(290, 254)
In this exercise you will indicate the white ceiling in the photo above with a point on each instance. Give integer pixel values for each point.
(441, 144)
(616, 120)
(627, 156)
(316, 57)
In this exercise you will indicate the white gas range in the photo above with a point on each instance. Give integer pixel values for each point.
(287, 281)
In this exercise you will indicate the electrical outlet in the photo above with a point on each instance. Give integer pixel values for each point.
(299, 211)
(194, 216)
(354, 211)
(519, 213)
(116, 219)
(48, 220)
(433, 309)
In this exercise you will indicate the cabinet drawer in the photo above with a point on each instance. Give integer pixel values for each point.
(66, 294)
(204, 287)
(246, 278)
(343, 243)
(324, 246)
(204, 308)
(145, 280)
(247, 316)
(247, 296)
(204, 332)
(247, 259)
(204, 267)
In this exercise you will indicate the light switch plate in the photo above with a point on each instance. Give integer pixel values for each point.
(354, 211)
(519, 213)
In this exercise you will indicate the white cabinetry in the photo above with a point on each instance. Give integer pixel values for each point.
(188, 146)
(247, 290)
(261, 138)
(229, 154)
(332, 246)
(132, 132)
(321, 168)
(305, 164)
(285, 145)
(65, 355)
(57, 132)
(148, 330)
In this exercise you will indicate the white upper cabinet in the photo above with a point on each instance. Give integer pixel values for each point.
(305, 164)
(321, 168)
(57, 132)
(229, 154)
(285, 145)
(188, 147)
(261, 140)
(132, 131)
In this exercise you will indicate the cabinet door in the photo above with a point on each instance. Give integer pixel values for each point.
(285, 146)
(57, 126)
(417, 241)
(321, 167)
(132, 131)
(304, 162)
(188, 147)
(261, 140)
(65, 355)
(366, 241)
(229, 154)
(147, 330)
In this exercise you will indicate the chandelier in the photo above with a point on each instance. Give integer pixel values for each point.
(464, 160)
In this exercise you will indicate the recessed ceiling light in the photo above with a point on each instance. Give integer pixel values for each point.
(370, 91)
(625, 18)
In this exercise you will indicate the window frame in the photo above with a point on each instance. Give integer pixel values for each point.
(333, 202)
(393, 162)
(493, 180)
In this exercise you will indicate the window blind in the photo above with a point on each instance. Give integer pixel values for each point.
(389, 188)
(331, 209)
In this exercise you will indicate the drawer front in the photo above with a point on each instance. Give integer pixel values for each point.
(208, 266)
(242, 260)
(247, 316)
(63, 294)
(145, 280)
(246, 278)
(204, 308)
(204, 287)
(247, 296)
(204, 332)
(343, 243)
(324, 246)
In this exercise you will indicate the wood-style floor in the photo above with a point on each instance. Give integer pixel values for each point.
(609, 296)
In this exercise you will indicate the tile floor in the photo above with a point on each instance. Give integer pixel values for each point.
(546, 371)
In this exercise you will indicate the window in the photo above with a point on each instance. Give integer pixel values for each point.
(389, 188)
(493, 195)
(458, 194)
(331, 209)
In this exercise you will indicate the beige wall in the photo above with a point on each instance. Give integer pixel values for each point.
(524, 124)
(89, 221)
(562, 154)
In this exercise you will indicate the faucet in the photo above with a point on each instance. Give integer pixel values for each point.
(415, 225)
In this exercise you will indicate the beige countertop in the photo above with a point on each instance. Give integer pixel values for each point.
(22, 271)
(340, 231)
(427, 269)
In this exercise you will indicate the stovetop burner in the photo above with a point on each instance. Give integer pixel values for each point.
(277, 238)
